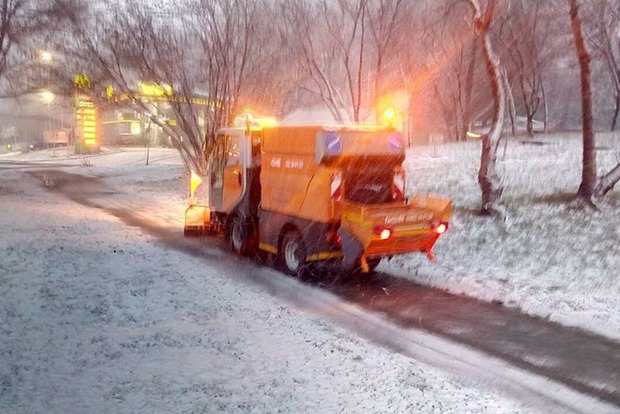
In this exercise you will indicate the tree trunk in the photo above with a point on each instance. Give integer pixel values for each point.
(588, 174)
(488, 179)
(614, 120)
(512, 109)
(546, 106)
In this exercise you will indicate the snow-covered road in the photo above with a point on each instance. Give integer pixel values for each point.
(104, 317)
(100, 317)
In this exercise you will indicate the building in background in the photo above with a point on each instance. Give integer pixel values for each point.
(37, 120)
(127, 123)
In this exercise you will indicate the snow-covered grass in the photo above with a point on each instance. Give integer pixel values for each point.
(100, 317)
(545, 255)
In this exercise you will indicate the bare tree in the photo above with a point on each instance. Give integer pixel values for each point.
(454, 88)
(604, 41)
(452, 56)
(385, 18)
(206, 56)
(591, 185)
(488, 178)
(588, 172)
(341, 49)
(25, 27)
(523, 36)
(324, 38)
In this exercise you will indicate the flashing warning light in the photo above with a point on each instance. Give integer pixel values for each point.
(249, 120)
(383, 232)
(440, 227)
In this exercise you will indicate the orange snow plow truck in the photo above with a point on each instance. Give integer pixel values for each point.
(314, 194)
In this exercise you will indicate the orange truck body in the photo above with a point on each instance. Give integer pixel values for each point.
(316, 193)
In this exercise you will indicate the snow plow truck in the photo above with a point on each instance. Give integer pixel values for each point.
(304, 195)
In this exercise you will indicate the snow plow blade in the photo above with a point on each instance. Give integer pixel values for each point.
(197, 221)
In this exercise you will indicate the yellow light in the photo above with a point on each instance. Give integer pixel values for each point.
(389, 114)
(250, 120)
(156, 89)
(268, 121)
(82, 81)
(89, 141)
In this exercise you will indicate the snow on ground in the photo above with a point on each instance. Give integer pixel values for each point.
(100, 317)
(545, 256)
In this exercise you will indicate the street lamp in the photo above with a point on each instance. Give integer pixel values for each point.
(45, 56)
(47, 96)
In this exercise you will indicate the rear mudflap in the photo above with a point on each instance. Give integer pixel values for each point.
(352, 249)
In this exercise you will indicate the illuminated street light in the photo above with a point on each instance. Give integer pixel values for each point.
(45, 56)
(48, 96)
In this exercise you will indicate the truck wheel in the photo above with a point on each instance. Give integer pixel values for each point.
(292, 253)
(240, 236)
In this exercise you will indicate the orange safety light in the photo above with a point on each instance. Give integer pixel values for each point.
(440, 227)
(383, 232)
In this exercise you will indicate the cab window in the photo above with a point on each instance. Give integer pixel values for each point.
(232, 151)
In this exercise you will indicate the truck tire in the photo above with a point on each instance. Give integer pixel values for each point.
(292, 253)
(240, 235)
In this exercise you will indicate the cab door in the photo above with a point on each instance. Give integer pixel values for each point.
(229, 169)
(234, 172)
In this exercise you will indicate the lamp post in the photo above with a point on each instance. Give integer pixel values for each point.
(48, 97)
